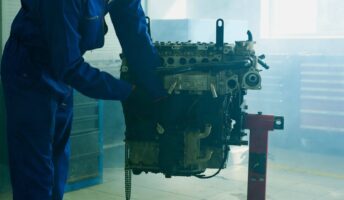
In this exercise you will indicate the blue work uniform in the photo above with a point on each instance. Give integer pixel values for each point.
(42, 62)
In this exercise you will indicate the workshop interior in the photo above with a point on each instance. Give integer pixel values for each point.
(255, 108)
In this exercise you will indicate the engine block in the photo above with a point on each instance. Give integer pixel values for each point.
(207, 83)
(234, 67)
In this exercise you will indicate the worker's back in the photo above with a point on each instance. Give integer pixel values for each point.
(32, 29)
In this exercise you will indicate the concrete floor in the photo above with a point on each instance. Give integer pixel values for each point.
(294, 175)
(291, 175)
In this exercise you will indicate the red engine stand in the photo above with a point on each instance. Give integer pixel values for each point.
(259, 126)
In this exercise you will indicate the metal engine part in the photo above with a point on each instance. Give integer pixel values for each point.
(207, 83)
(187, 67)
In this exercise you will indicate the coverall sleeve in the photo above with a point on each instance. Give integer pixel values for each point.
(130, 25)
(62, 19)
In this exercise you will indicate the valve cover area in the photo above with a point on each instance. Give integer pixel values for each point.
(203, 115)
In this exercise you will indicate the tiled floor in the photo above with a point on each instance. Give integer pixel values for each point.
(292, 175)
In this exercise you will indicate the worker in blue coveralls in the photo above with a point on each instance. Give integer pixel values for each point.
(42, 62)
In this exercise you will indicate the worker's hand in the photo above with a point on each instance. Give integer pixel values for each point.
(160, 111)
(138, 103)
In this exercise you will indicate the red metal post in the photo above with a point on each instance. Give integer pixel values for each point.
(259, 126)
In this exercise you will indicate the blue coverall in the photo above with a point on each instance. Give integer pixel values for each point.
(42, 62)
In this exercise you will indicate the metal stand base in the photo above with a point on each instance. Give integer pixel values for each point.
(259, 126)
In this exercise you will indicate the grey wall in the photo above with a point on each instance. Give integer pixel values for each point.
(248, 10)
(8, 11)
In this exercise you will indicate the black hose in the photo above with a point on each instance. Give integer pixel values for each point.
(202, 176)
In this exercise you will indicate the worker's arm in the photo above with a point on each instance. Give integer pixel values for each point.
(61, 23)
(130, 24)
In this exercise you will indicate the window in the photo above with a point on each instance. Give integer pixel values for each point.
(302, 18)
(165, 9)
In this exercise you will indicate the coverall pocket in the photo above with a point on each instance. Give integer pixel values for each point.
(92, 28)
(92, 31)
(24, 80)
(21, 72)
